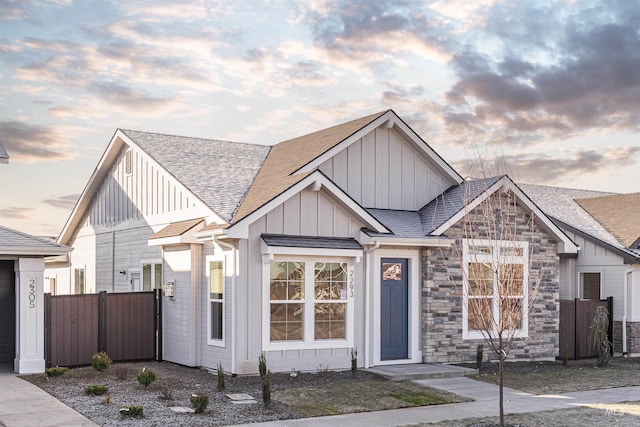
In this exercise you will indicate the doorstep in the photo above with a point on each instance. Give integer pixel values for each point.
(421, 371)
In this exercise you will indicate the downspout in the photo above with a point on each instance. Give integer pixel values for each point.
(367, 308)
(627, 275)
(233, 301)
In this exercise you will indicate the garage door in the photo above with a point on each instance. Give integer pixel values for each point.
(7, 312)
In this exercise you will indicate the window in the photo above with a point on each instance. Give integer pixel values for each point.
(590, 286)
(216, 301)
(151, 276)
(495, 287)
(79, 280)
(309, 304)
(52, 285)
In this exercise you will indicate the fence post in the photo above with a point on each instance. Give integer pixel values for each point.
(102, 321)
(576, 346)
(158, 323)
(610, 331)
(47, 330)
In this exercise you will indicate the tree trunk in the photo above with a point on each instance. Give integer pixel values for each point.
(501, 357)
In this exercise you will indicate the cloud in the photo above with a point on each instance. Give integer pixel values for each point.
(63, 202)
(553, 168)
(31, 143)
(17, 213)
(578, 75)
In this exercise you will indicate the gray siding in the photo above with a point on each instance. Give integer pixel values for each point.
(307, 213)
(383, 170)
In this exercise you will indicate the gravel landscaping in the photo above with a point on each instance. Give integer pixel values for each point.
(293, 396)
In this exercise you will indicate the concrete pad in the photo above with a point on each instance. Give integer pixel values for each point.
(243, 402)
(417, 371)
(239, 396)
(182, 410)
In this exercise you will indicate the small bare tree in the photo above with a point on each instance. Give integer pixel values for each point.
(495, 244)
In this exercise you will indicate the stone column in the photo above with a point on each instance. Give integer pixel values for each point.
(30, 316)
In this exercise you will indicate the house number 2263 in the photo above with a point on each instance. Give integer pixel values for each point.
(32, 293)
(351, 282)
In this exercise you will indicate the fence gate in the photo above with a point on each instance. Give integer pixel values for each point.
(576, 317)
(127, 326)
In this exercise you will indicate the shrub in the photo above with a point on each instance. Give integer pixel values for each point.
(56, 371)
(146, 377)
(565, 356)
(262, 365)
(165, 394)
(220, 375)
(599, 336)
(354, 360)
(131, 411)
(266, 389)
(479, 356)
(199, 401)
(96, 389)
(100, 361)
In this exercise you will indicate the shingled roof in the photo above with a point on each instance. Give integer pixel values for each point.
(14, 242)
(218, 172)
(618, 213)
(277, 173)
(4, 156)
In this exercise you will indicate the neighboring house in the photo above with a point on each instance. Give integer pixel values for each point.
(607, 229)
(349, 237)
(22, 295)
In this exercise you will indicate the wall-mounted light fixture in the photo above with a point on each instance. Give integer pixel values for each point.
(123, 272)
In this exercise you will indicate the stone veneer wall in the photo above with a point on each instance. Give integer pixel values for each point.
(633, 337)
(441, 301)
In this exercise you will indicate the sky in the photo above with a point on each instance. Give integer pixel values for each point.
(548, 89)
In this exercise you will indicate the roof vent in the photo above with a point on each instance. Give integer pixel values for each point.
(127, 162)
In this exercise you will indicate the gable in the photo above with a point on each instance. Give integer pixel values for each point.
(134, 187)
(385, 170)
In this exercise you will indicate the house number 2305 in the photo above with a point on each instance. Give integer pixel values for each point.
(32, 293)
(351, 282)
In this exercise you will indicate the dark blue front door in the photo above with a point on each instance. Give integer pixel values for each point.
(394, 309)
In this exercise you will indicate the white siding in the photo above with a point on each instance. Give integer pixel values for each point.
(594, 258)
(383, 170)
(307, 213)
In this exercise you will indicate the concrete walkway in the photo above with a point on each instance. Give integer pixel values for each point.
(24, 405)
(485, 405)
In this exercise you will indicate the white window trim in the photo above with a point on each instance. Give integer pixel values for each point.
(493, 258)
(210, 341)
(152, 262)
(131, 272)
(582, 270)
(308, 322)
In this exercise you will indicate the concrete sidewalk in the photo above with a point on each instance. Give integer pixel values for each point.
(485, 405)
(24, 405)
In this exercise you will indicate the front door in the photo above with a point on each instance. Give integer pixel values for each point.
(394, 313)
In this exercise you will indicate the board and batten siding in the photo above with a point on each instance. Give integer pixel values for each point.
(385, 171)
(593, 258)
(308, 213)
(145, 192)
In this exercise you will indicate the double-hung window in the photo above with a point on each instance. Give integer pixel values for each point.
(495, 288)
(310, 304)
(215, 274)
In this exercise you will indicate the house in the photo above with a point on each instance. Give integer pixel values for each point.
(351, 237)
(606, 227)
(22, 295)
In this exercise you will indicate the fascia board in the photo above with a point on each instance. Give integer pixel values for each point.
(240, 230)
(468, 208)
(568, 247)
(435, 241)
(119, 140)
(109, 154)
(21, 250)
(394, 120)
(313, 164)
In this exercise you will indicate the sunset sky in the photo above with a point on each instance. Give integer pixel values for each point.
(550, 87)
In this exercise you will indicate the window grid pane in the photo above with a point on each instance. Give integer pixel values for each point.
(330, 295)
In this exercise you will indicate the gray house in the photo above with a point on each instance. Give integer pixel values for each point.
(349, 237)
(606, 228)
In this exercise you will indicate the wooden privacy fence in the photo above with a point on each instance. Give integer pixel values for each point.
(127, 326)
(576, 317)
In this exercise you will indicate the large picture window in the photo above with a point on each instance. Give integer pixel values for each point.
(216, 301)
(495, 288)
(309, 303)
